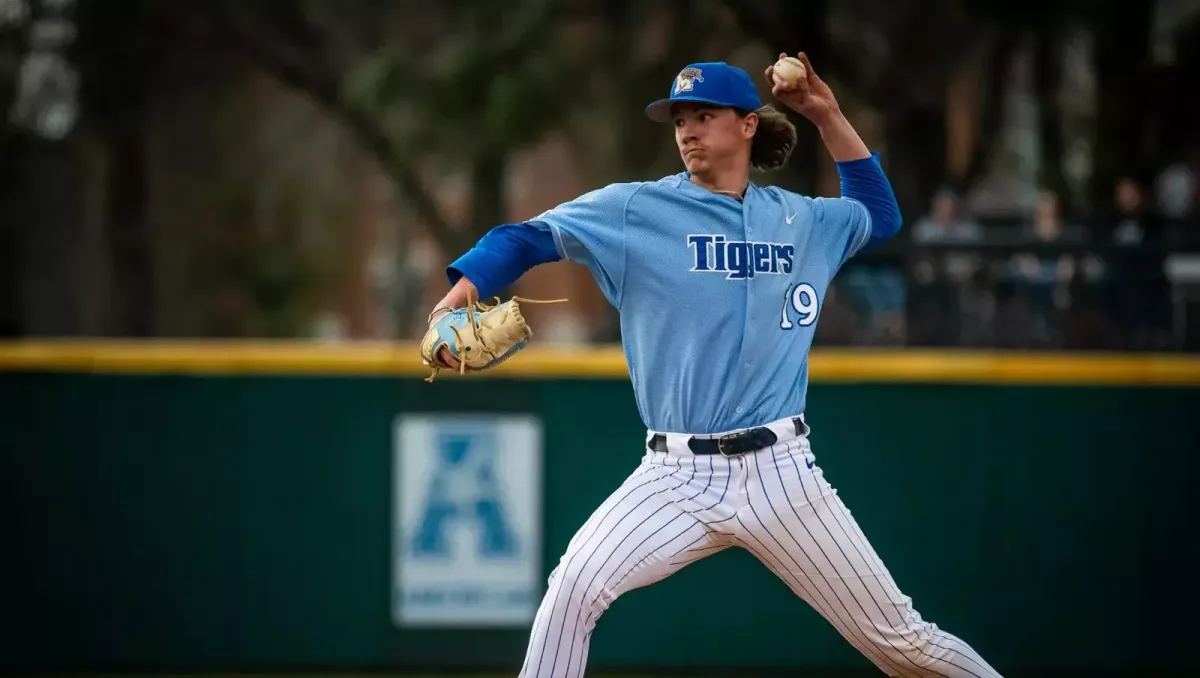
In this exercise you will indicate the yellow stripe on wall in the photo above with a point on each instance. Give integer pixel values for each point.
(392, 359)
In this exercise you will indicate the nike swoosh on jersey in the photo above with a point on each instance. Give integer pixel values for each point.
(789, 219)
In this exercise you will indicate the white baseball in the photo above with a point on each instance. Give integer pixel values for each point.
(788, 72)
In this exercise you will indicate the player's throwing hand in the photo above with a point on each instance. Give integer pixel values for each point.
(810, 96)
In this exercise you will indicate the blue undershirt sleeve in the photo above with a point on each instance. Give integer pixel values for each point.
(864, 181)
(502, 256)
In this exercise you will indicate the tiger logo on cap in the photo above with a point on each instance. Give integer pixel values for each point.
(687, 79)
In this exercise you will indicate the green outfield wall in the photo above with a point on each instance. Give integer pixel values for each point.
(186, 509)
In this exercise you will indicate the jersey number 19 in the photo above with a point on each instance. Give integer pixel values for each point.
(802, 300)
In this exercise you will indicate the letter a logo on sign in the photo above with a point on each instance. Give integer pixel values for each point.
(467, 520)
(464, 487)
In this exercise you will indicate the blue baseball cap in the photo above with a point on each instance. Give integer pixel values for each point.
(715, 83)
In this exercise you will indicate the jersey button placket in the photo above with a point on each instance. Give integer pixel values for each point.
(749, 330)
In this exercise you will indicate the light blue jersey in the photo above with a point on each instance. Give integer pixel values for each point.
(718, 298)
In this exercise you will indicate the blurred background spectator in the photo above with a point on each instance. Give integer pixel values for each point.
(950, 304)
(1039, 285)
(1137, 284)
(306, 169)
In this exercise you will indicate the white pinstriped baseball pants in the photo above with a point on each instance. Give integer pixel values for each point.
(677, 508)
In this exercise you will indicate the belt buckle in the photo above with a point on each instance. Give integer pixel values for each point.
(721, 445)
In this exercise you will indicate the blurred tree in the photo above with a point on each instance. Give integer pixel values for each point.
(1181, 63)
(431, 89)
(44, 286)
(1048, 78)
(122, 44)
(897, 58)
(1127, 91)
(251, 227)
(793, 27)
(14, 17)
(14, 21)
(206, 213)
(635, 50)
(1143, 107)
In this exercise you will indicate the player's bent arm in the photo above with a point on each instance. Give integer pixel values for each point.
(865, 181)
(841, 140)
(868, 214)
(500, 257)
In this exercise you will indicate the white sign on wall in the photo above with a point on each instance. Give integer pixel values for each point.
(467, 493)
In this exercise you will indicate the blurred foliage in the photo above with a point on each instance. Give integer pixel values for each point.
(250, 241)
(13, 18)
(217, 182)
(452, 87)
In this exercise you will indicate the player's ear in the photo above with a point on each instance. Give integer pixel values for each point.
(749, 124)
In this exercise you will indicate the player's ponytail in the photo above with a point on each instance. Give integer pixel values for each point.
(774, 139)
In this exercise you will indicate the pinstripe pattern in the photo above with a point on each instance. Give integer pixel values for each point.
(821, 553)
(677, 508)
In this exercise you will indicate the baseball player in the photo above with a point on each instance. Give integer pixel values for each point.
(719, 283)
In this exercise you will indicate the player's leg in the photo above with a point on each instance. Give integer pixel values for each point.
(795, 523)
(655, 524)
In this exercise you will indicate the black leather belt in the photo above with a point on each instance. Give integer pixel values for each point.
(731, 444)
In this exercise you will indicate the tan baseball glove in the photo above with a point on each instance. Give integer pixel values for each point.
(478, 336)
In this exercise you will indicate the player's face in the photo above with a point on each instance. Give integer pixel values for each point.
(712, 138)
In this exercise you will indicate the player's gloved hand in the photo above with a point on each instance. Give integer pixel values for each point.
(476, 337)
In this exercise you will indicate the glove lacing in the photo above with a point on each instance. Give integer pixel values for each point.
(473, 304)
